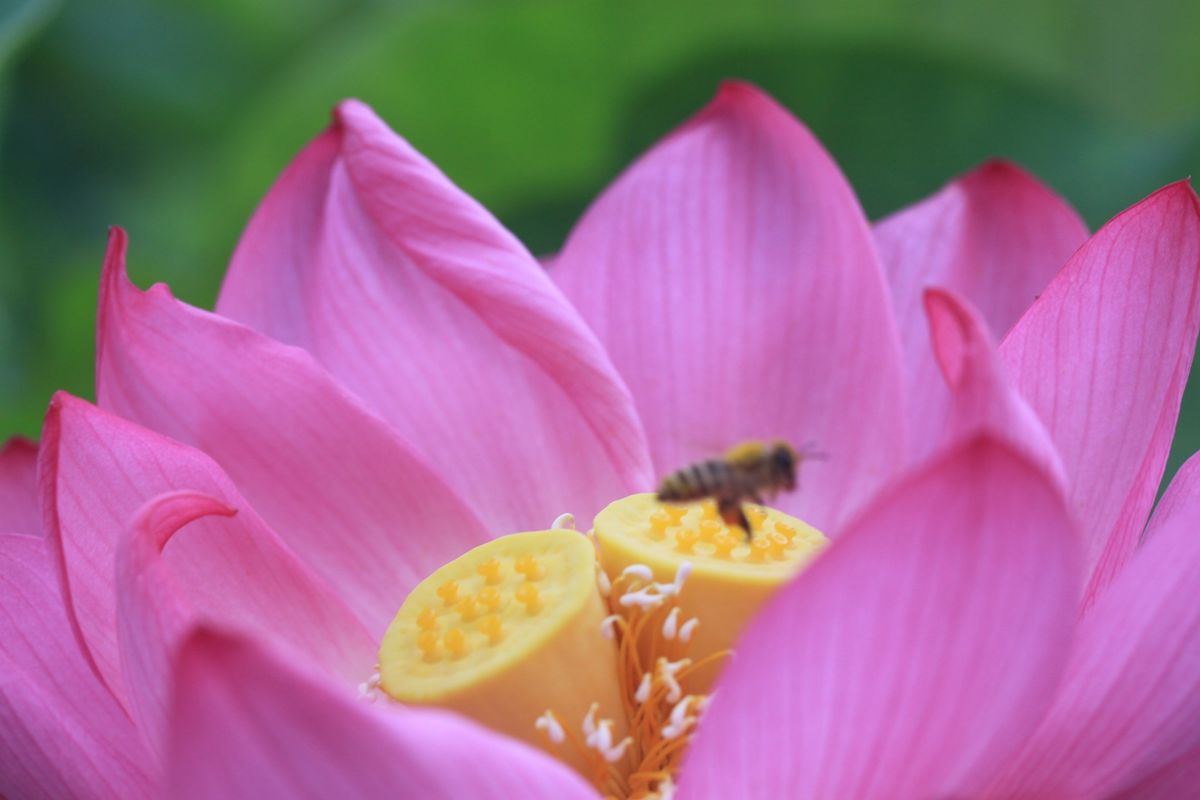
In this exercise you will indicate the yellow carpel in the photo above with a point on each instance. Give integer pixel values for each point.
(504, 632)
(730, 578)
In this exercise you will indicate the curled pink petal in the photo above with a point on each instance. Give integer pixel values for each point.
(98, 470)
(981, 396)
(18, 487)
(62, 734)
(420, 302)
(1130, 701)
(1103, 356)
(237, 574)
(250, 724)
(732, 277)
(348, 495)
(995, 236)
(886, 669)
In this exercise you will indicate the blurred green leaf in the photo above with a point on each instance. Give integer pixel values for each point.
(173, 118)
(19, 21)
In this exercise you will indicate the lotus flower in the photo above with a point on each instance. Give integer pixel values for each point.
(201, 567)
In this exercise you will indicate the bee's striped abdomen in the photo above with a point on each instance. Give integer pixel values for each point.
(703, 479)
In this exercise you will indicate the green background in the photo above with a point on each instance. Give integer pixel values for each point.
(172, 119)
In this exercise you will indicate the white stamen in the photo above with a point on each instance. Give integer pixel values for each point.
(687, 629)
(549, 723)
(638, 571)
(666, 671)
(564, 521)
(676, 586)
(680, 721)
(589, 721)
(671, 624)
(665, 789)
(681, 574)
(608, 626)
(642, 598)
(368, 690)
(643, 691)
(614, 754)
(601, 737)
(603, 582)
(600, 740)
(672, 667)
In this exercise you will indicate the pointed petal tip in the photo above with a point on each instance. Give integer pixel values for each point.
(349, 110)
(734, 90)
(204, 646)
(18, 444)
(987, 446)
(114, 255)
(1176, 191)
(1000, 170)
(951, 328)
(58, 401)
(357, 117)
(943, 301)
(113, 280)
(738, 97)
(998, 176)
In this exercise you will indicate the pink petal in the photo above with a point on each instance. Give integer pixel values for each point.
(1178, 779)
(62, 734)
(996, 236)
(98, 470)
(915, 655)
(1103, 357)
(18, 487)
(1130, 701)
(236, 573)
(249, 724)
(731, 275)
(981, 396)
(419, 301)
(346, 493)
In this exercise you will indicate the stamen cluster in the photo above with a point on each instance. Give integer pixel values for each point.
(654, 670)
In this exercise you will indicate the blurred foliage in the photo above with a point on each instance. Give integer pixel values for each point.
(172, 118)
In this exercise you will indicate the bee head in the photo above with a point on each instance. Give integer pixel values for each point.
(783, 463)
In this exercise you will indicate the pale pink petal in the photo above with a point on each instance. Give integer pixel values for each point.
(914, 656)
(62, 734)
(237, 574)
(18, 487)
(344, 491)
(250, 724)
(1103, 356)
(996, 236)
(981, 397)
(1130, 701)
(98, 470)
(732, 277)
(419, 301)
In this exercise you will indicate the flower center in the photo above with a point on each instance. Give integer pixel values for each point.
(730, 577)
(503, 632)
(529, 636)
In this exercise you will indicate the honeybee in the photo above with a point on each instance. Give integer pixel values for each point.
(745, 473)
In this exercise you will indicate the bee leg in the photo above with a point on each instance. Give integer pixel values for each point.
(731, 512)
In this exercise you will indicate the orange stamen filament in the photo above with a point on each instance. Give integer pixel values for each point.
(647, 623)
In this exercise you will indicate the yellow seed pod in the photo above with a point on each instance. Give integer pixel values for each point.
(522, 636)
(730, 578)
